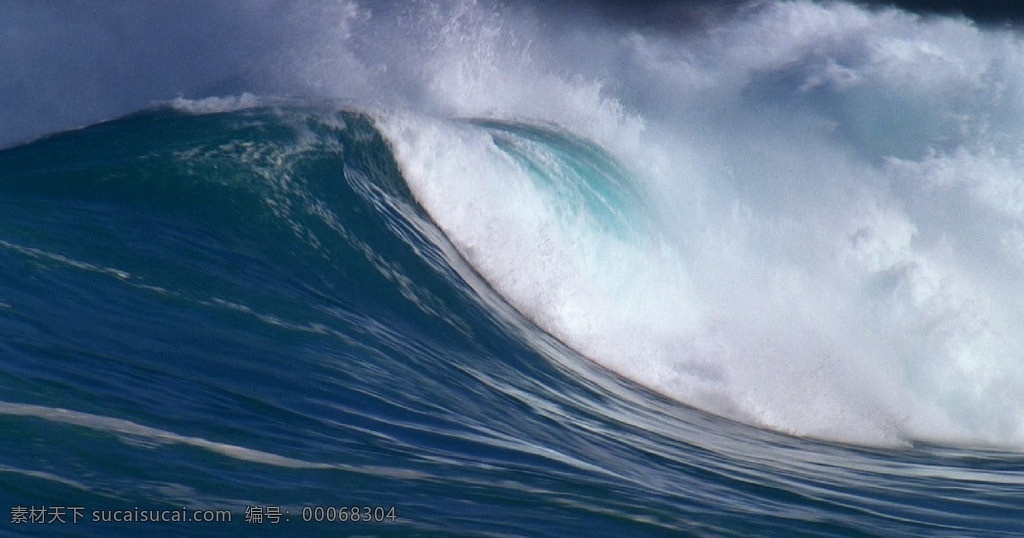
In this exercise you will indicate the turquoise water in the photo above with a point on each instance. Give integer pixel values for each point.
(249, 308)
(584, 181)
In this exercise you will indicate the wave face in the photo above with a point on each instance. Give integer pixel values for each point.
(759, 273)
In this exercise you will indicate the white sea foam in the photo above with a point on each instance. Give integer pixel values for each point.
(211, 105)
(839, 189)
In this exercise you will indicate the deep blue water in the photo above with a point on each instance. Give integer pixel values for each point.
(248, 308)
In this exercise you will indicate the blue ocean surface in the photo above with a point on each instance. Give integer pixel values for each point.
(248, 309)
(503, 274)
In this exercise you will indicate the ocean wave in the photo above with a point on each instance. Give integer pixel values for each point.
(757, 274)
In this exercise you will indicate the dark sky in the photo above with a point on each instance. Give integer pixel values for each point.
(675, 14)
(983, 11)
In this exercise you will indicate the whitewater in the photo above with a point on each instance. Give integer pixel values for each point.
(752, 271)
(834, 245)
